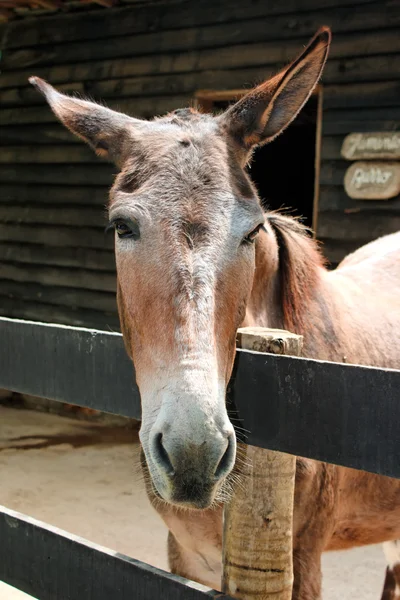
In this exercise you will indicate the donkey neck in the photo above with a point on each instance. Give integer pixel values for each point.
(289, 289)
(264, 308)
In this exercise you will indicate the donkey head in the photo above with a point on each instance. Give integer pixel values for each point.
(186, 217)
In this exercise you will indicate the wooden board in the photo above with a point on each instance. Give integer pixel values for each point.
(59, 276)
(84, 258)
(376, 93)
(188, 39)
(51, 235)
(65, 315)
(264, 53)
(378, 145)
(363, 120)
(333, 197)
(61, 296)
(24, 95)
(339, 71)
(51, 564)
(315, 409)
(331, 173)
(48, 155)
(54, 215)
(142, 107)
(373, 180)
(94, 174)
(360, 227)
(34, 133)
(54, 195)
(335, 251)
(133, 21)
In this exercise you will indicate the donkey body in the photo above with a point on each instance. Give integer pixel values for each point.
(335, 508)
(196, 258)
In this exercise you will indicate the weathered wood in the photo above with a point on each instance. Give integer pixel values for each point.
(51, 564)
(77, 237)
(49, 215)
(377, 93)
(331, 173)
(274, 341)
(376, 145)
(334, 198)
(24, 95)
(33, 133)
(47, 154)
(317, 154)
(357, 226)
(128, 21)
(319, 413)
(331, 147)
(338, 121)
(141, 107)
(5, 15)
(314, 408)
(373, 180)
(79, 317)
(226, 57)
(28, 95)
(258, 519)
(84, 258)
(371, 68)
(192, 39)
(46, 4)
(54, 194)
(61, 296)
(93, 174)
(59, 276)
(361, 68)
(336, 251)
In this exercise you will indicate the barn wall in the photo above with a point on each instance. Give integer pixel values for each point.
(147, 58)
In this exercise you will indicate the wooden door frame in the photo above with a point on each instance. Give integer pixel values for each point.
(204, 101)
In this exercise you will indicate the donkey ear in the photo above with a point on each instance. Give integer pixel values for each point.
(106, 131)
(265, 111)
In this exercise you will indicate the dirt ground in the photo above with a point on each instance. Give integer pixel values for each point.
(85, 478)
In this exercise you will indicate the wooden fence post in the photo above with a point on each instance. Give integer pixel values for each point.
(257, 547)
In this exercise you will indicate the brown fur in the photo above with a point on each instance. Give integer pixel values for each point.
(349, 508)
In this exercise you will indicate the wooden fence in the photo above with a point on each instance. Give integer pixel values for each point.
(338, 413)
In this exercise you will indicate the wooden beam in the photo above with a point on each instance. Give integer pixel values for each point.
(6, 15)
(258, 520)
(258, 21)
(314, 408)
(51, 4)
(105, 3)
(51, 564)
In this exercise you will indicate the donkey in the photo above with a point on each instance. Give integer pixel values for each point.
(196, 258)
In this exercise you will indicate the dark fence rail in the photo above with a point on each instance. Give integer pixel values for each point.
(342, 414)
(50, 564)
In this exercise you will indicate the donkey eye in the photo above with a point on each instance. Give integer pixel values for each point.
(125, 229)
(250, 237)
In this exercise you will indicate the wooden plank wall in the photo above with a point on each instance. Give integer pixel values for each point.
(147, 58)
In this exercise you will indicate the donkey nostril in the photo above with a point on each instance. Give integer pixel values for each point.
(225, 464)
(162, 455)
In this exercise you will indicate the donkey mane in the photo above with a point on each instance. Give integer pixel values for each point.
(300, 262)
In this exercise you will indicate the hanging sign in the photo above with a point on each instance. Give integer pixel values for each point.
(383, 144)
(373, 180)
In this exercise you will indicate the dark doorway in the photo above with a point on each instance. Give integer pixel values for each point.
(284, 171)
